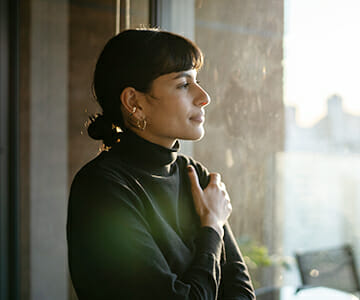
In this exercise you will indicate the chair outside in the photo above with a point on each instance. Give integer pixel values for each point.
(333, 268)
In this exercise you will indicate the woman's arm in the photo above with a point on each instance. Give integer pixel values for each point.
(235, 281)
(235, 278)
(113, 255)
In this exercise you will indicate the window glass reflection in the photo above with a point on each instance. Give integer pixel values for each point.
(282, 128)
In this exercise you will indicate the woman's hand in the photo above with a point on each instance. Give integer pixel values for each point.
(212, 204)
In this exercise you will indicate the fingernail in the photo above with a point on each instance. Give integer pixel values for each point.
(189, 168)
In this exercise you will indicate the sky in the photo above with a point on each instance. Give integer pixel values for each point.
(321, 56)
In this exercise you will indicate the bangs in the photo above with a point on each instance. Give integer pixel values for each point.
(175, 54)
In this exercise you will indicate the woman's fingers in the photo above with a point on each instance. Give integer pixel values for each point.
(213, 203)
(215, 178)
(194, 181)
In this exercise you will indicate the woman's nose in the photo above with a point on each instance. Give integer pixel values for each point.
(203, 97)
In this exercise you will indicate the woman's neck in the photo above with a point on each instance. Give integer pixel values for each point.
(162, 141)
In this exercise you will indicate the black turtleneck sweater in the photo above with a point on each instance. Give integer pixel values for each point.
(133, 232)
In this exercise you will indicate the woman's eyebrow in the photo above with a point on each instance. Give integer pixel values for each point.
(183, 74)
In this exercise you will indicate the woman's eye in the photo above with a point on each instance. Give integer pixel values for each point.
(184, 85)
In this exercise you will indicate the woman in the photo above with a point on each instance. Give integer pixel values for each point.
(145, 222)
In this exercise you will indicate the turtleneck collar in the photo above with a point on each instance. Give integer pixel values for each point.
(144, 154)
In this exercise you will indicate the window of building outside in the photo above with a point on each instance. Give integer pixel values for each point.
(282, 128)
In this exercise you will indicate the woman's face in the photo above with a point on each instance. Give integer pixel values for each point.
(174, 109)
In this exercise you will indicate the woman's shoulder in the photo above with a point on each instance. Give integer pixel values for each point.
(102, 170)
(103, 179)
(184, 160)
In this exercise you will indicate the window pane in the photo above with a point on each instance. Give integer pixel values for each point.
(283, 125)
(243, 73)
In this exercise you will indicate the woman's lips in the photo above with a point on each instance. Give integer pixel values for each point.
(198, 118)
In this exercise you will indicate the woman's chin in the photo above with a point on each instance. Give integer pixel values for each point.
(195, 136)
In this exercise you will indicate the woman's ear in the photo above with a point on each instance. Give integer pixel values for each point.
(132, 103)
(128, 99)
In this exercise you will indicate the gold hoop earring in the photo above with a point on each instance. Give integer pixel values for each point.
(141, 124)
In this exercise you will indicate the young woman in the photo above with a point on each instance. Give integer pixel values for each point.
(145, 222)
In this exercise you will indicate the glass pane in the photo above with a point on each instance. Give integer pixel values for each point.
(243, 73)
(319, 169)
(283, 125)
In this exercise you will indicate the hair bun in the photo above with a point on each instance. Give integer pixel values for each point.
(98, 127)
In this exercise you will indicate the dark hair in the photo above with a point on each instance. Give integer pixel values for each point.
(135, 58)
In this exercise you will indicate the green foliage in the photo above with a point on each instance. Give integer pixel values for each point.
(254, 255)
(257, 257)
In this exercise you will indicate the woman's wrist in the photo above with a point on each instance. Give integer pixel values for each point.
(220, 231)
(218, 228)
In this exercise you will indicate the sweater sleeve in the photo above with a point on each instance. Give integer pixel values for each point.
(235, 281)
(113, 255)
